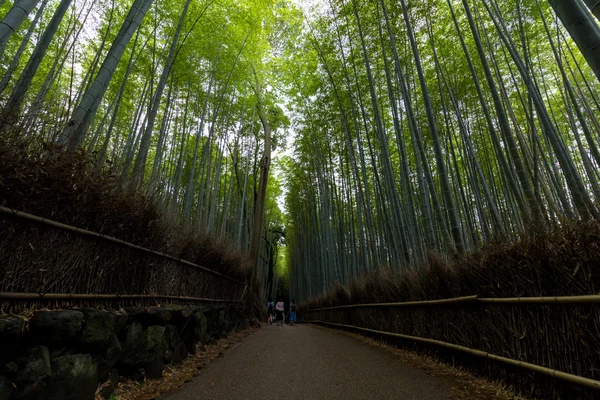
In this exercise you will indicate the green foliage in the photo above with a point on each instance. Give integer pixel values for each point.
(369, 183)
(338, 185)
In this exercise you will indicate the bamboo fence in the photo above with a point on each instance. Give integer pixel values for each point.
(500, 324)
(84, 232)
(68, 266)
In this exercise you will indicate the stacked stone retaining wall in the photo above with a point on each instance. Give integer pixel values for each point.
(67, 354)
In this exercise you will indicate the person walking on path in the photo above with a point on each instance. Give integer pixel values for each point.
(293, 312)
(270, 311)
(279, 308)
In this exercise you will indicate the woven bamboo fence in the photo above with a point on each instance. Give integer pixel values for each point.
(547, 347)
(50, 264)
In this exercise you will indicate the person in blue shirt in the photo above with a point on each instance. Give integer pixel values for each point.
(293, 312)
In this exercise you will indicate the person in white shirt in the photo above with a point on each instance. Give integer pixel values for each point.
(270, 311)
(279, 308)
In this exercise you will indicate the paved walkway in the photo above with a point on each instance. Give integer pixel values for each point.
(303, 362)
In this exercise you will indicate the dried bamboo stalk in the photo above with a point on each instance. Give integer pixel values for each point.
(84, 232)
(576, 379)
(465, 299)
(584, 299)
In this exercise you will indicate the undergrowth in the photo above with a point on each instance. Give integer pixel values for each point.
(561, 262)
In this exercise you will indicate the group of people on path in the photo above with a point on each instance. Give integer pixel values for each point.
(276, 312)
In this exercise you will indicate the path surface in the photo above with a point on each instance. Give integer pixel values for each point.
(305, 362)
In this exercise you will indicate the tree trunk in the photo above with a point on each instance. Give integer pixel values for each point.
(13, 19)
(443, 176)
(13, 105)
(583, 29)
(85, 112)
(259, 205)
(140, 161)
(594, 6)
(17, 57)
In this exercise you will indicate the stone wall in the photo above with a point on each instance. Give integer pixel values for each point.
(67, 354)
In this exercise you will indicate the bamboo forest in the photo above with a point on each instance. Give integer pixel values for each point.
(397, 129)
(334, 152)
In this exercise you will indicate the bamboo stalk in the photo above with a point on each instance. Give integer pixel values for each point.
(82, 296)
(584, 299)
(576, 379)
(34, 218)
(465, 299)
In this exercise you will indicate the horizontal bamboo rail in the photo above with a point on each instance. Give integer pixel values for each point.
(81, 296)
(84, 232)
(466, 299)
(576, 379)
(584, 299)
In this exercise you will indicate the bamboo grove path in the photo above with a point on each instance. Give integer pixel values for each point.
(305, 362)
